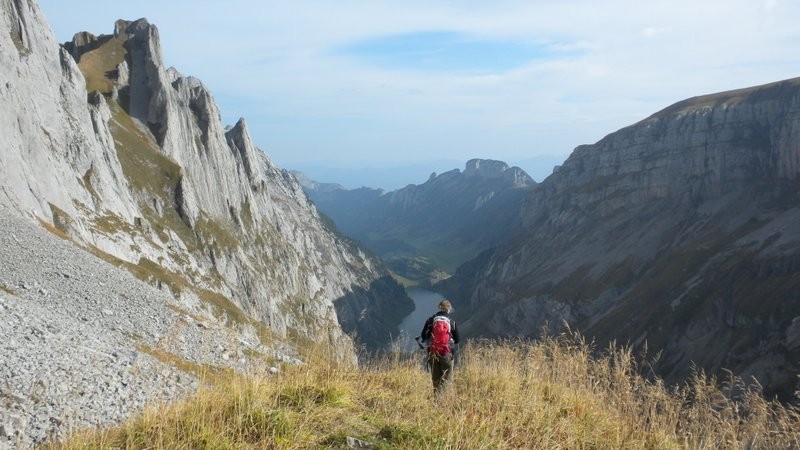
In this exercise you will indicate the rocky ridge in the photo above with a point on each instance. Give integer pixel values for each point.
(448, 219)
(147, 173)
(129, 162)
(677, 233)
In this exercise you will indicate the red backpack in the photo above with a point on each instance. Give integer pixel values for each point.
(440, 335)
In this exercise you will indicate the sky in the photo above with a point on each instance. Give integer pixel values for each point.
(380, 83)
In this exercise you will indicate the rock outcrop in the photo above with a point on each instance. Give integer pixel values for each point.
(448, 219)
(104, 146)
(679, 233)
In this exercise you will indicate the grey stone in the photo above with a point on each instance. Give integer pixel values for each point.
(61, 167)
(357, 443)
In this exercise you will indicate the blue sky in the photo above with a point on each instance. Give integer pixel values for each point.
(359, 83)
(449, 51)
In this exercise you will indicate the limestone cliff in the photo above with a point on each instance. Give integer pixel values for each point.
(131, 160)
(680, 232)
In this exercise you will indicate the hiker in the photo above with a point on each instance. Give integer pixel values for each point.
(439, 331)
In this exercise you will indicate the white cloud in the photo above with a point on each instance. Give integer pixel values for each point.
(272, 63)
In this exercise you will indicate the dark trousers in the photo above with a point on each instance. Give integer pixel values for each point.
(441, 370)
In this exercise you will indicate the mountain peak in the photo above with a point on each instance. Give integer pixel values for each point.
(123, 27)
(485, 166)
(493, 169)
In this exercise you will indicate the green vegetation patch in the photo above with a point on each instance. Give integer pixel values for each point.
(183, 312)
(443, 254)
(168, 221)
(219, 236)
(223, 305)
(52, 229)
(110, 224)
(246, 216)
(403, 281)
(99, 64)
(144, 166)
(152, 272)
(86, 182)
(7, 289)
(311, 395)
(150, 172)
(403, 435)
(202, 371)
(16, 37)
(61, 223)
(416, 271)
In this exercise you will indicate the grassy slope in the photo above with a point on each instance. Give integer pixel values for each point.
(98, 63)
(552, 394)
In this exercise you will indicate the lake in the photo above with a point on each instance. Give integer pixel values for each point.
(426, 303)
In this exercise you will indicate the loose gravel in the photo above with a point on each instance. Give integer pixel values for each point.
(72, 328)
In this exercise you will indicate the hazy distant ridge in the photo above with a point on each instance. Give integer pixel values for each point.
(394, 176)
(449, 218)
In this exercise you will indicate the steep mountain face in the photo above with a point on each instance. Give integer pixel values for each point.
(126, 164)
(142, 172)
(448, 219)
(679, 232)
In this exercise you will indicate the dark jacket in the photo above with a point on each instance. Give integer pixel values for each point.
(428, 328)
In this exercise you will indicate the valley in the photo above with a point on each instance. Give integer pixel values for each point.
(423, 232)
(156, 265)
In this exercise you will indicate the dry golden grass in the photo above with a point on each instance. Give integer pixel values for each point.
(552, 394)
(97, 64)
(53, 229)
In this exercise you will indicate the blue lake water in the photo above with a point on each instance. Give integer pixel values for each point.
(425, 305)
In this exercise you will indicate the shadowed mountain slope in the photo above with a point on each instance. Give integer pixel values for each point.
(445, 221)
(681, 232)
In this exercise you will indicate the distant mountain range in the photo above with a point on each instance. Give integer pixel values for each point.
(680, 233)
(440, 223)
(393, 176)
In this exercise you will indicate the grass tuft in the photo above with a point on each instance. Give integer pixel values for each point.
(548, 394)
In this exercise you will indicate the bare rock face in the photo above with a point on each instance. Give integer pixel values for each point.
(128, 160)
(50, 148)
(679, 232)
(156, 176)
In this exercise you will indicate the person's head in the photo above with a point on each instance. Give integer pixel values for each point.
(445, 306)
